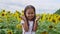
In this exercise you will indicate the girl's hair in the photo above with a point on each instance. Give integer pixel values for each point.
(26, 8)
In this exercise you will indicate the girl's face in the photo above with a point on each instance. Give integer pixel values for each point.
(30, 13)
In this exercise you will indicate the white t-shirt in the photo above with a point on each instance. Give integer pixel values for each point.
(30, 27)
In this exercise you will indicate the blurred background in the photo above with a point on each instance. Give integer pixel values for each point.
(12, 10)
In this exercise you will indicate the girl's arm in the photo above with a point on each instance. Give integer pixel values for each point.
(25, 23)
(25, 26)
(36, 24)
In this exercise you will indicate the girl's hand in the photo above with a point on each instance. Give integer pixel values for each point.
(37, 18)
(23, 17)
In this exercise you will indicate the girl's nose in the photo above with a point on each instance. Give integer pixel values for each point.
(30, 15)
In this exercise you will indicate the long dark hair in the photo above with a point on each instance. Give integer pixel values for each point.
(26, 8)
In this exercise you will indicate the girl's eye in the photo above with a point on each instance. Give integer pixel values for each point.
(28, 13)
(32, 13)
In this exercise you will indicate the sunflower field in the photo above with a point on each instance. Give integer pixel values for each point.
(10, 23)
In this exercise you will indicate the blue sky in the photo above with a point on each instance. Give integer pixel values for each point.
(47, 6)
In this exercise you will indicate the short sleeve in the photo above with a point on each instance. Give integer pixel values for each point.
(22, 22)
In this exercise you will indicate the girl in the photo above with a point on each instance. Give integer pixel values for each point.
(29, 20)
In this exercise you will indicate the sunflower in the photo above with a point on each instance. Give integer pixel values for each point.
(50, 27)
(18, 18)
(58, 18)
(22, 13)
(1, 20)
(49, 18)
(9, 32)
(18, 26)
(54, 20)
(44, 32)
(3, 13)
(16, 14)
(43, 17)
(8, 12)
